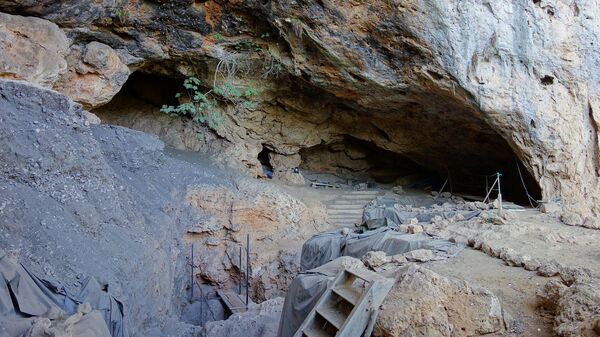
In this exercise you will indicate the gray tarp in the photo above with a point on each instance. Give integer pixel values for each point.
(322, 248)
(398, 216)
(326, 247)
(392, 243)
(306, 289)
(25, 297)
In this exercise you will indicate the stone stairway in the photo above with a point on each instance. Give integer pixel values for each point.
(347, 209)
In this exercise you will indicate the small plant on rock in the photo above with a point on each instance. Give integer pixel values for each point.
(201, 106)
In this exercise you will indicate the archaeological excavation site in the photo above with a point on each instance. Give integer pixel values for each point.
(299, 168)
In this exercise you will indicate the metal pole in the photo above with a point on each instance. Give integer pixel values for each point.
(240, 266)
(490, 190)
(247, 268)
(192, 290)
(499, 195)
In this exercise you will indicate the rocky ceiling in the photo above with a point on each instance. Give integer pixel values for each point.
(466, 92)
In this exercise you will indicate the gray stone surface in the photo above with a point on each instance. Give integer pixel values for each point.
(78, 200)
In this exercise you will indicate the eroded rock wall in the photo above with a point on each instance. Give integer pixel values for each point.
(461, 87)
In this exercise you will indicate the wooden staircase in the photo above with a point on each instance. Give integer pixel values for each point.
(348, 306)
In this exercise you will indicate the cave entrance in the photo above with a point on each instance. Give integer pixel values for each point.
(353, 158)
(265, 162)
(138, 104)
(141, 92)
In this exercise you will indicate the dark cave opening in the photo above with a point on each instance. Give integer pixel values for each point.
(353, 158)
(424, 147)
(142, 92)
(356, 158)
(265, 162)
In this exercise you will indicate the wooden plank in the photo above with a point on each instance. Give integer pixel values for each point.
(365, 274)
(317, 184)
(349, 295)
(315, 333)
(332, 316)
(232, 301)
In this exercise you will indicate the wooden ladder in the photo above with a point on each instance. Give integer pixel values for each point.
(348, 305)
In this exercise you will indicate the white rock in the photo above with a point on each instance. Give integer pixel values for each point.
(419, 255)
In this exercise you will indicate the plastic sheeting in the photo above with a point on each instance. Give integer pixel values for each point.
(24, 298)
(392, 243)
(391, 214)
(322, 248)
(306, 289)
(326, 247)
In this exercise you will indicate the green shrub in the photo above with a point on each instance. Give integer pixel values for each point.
(201, 106)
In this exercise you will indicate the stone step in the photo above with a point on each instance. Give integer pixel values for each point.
(365, 192)
(350, 202)
(356, 197)
(345, 211)
(345, 223)
(346, 206)
(345, 218)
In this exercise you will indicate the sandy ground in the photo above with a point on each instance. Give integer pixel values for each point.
(515, 287)
(537, 235)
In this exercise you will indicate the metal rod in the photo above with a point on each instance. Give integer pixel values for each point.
(192, 290)
(240, 266)
(490, 190)
(499, 195)
(247, 268)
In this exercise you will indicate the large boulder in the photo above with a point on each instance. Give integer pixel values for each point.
(32, 49)
(95, 75)
(576, 308)
(40, 52)
(423, 303)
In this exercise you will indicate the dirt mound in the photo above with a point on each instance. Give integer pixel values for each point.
(423, 303)
(82, 200)
(261, 320)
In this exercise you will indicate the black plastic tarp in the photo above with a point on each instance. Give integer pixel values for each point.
(25, 298)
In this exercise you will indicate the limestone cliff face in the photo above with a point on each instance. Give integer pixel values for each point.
(466, 87)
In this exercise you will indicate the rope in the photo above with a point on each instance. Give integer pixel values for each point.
(529, 197)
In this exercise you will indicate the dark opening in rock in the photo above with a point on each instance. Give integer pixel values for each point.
(263, 158)
(547, 80)
(142, 92)
(358, 159)
(355, 158)
(137, 106)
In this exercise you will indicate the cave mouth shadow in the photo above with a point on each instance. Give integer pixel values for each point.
(358, 159)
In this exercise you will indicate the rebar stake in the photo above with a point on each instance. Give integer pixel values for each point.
(240, 266)
(192, 284)
(247, 268)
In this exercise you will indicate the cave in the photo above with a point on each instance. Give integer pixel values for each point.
(151, 89)
(358, 159)
(428, 145)
(265, 162)
(142, 95)
(355, 158)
